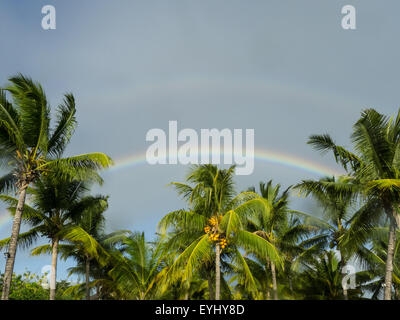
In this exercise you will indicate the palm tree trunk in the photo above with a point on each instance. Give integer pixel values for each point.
(53, 275)
(217, 272)
(210, 287)
(87, 274)
(186, 296)
(342, 264)
(274, 284)
(396, 217)
(345, 294)
(290, 285)
(12, 248)
(389, 259)
(98, 292)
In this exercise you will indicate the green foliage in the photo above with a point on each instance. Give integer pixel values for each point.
(29, 286)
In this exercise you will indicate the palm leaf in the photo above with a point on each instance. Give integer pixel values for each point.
(79, 167)
(33, 111)
(65, 126)
(25, 239)
(258, 246)
(325, 143)
(7, 183)
(191, 258)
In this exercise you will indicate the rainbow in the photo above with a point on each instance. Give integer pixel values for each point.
(249, 85)
(262, 155)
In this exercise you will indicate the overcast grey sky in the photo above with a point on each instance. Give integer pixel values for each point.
(284, 68)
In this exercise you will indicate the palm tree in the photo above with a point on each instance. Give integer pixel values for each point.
(344, 227)
(55, 206)
(99, 266)
(197, 288)
(375, 169)
(277, 227)
(214, 221)
(321, 278)
(30, 147)
(262, 276)
(136, 269)
(92, 222)
(372, 259)
(268, 222)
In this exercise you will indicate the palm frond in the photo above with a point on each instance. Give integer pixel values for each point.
(185, 219)
(34, 112)
(41, 250)
(191, 258)
(325, 143)
(65, 126)
(25, 239)
(8, 183)
(77, 235)
(81, 167)
(259, 246)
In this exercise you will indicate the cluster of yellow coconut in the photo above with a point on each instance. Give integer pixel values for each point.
(214, 237)
(212, 231)
(223, 243)
(214, 220)
(207, 229)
